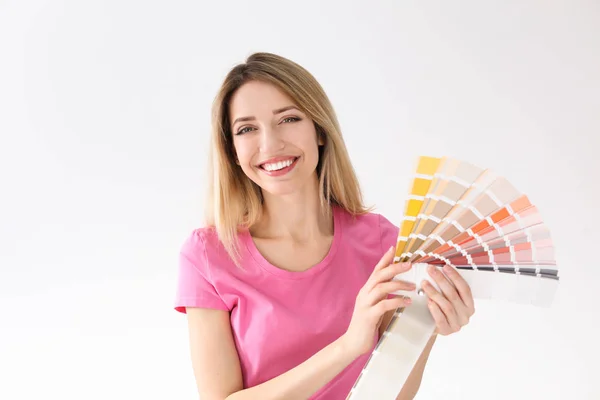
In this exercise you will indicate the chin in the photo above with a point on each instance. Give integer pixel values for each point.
(281, 189)
(298, 184)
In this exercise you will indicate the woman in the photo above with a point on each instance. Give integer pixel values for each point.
(289, 285)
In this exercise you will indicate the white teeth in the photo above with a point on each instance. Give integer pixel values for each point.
(278, 165)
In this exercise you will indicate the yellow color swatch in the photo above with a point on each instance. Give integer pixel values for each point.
(426, 168)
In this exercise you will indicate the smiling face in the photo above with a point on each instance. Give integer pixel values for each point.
(276, 144)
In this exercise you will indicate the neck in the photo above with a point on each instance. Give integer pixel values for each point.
(297, 216)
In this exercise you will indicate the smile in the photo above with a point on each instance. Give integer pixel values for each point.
(279, 167)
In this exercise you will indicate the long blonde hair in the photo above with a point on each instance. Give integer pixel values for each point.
(234, 201)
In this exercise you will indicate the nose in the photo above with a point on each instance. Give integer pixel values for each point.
(270, 141)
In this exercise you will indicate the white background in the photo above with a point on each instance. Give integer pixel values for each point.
(104, 117)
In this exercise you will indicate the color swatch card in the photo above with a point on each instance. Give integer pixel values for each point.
(478, 223)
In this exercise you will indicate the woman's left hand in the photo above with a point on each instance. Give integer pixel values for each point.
(453, 306)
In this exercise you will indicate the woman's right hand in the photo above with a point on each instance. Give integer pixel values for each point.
(373, 301)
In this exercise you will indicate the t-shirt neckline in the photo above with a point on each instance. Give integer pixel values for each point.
(315, 269)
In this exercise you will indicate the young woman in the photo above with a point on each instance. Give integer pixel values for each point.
(288, 285)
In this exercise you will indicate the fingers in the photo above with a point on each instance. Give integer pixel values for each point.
(462, 287)
(443, 327)
(443, 305)
(451, 306)
(390, 272)
(383, 289)
(451, 295)
(376, 294)
(386, 273)
(386, 259)
(391, 304)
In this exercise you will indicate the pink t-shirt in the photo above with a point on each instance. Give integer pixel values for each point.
(281, 318)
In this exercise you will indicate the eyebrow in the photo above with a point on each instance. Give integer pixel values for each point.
(275, 112)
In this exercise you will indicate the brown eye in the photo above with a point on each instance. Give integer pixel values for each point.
(291, 119)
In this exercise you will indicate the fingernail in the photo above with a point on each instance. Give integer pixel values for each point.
(448, 269)
(408, 300)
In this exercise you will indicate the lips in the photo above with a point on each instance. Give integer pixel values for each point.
(277, 163)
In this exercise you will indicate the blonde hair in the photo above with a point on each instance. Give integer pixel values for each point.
(234, 201)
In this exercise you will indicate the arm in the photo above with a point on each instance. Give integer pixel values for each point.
(217, 371)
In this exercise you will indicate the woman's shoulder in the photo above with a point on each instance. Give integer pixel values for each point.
(199, 238)
(200, 243)
(371, 221)
(371, 225)
(195, 281)
(204, 246)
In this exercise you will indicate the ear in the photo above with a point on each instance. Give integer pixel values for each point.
(320, 135)
(320, 139)
(234, 155)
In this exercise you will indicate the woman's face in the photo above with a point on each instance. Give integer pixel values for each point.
(275, 143)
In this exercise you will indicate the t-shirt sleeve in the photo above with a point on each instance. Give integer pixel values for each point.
(389, 233)
(194, 284)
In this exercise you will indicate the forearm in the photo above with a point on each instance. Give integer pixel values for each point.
(304, 380)
(413, 382)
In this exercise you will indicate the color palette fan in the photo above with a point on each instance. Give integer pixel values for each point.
(478, 223)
